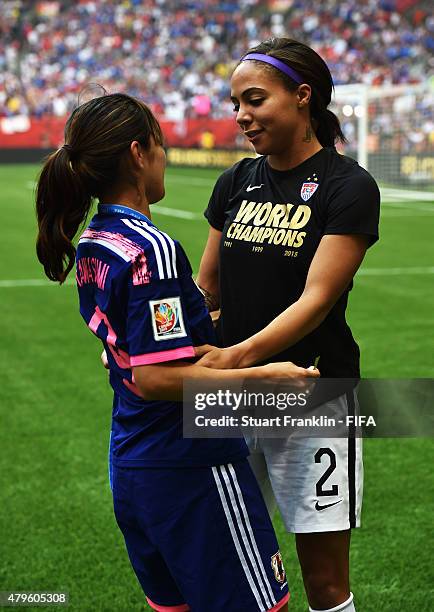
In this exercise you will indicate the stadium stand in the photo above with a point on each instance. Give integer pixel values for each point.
(177, 54)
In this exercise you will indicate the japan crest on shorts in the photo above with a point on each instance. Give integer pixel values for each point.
(277, 565)
(309, 187)
(167, 321)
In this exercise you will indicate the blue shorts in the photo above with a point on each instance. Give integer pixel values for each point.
(200, 538)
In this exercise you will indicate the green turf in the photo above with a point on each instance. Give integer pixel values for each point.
(56, 523)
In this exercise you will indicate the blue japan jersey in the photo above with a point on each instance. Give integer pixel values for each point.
(138, 296)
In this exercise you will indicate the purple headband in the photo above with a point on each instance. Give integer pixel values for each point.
(268, 59)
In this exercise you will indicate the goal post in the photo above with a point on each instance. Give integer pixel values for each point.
(390, 131)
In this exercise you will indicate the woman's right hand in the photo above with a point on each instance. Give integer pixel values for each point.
(293, 375)
(217, 358)
(287, 369)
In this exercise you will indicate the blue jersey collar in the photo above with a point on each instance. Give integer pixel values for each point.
(118, 209)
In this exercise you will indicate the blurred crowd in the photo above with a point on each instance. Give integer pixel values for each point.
(178, 54)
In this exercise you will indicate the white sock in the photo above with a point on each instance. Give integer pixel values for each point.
(346, 606)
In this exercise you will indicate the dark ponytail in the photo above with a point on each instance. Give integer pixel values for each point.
(62, 205)
(328, 129)
(98, 134)
(315, 72)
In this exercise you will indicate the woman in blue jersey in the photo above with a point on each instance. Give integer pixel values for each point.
(288, 231)
(195, 526)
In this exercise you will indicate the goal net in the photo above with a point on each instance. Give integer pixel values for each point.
(390, 131)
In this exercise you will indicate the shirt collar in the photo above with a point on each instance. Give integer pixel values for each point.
(119, 209)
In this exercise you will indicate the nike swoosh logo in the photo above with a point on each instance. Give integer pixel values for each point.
(324, 506)
(252, 187)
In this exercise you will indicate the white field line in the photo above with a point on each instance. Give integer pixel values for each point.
(386, 213)
(34, 282)
(190, 180)
(409, 206)
(394, 271)
(40, 282)
(176, 212)
(406, 194)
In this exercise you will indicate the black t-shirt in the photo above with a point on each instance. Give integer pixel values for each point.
(272, 223)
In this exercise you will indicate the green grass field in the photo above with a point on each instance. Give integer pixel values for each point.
(57, 530)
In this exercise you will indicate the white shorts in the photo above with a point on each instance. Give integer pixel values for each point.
(317, 483)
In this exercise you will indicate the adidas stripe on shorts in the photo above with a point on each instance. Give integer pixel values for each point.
(200, 539)
(317, 483)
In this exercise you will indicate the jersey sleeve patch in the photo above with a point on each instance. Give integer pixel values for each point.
(167, 319)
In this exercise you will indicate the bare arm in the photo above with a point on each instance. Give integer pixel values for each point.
(335, 262)
(208, 277)
(165, 381)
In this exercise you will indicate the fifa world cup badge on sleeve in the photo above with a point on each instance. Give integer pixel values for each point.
(167, 321)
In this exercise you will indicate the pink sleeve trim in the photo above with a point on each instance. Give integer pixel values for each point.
(161, 356)
(279, 605)
(180, 608)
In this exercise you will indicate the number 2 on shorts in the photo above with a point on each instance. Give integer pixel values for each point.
(329, 471)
